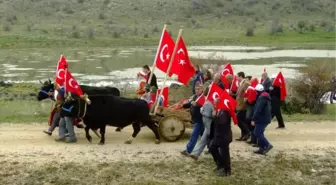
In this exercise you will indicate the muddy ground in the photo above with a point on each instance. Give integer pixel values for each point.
(304, 153)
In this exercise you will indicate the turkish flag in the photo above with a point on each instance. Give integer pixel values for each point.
(227, 70)
(179, 104)
(235, 84)
(254, 82)
(279, 81)
(164, 96)
(227, 103)
(250, 94)
(214, 92)
(152, 100)
(166, 48)
(71, 85)
(200, 100)
(182, 66)
(60, 70)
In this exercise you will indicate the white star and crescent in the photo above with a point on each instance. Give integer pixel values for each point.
(224, 71)
(226, 101)
(58, 74)
(71, 84)
(215, 95)
(161, 53)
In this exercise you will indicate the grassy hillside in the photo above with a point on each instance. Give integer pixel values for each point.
(62, 23)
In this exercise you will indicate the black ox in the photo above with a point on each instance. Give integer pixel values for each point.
(113, 111)
(48, 86)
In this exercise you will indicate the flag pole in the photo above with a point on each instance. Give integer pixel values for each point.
(157, 53)
(168, 70)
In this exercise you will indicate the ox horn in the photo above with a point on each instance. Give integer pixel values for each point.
(49, 80)
(95, 131)
(40, 82)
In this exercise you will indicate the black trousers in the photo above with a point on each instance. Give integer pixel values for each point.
(221, 155)
(249, 114)
(276, 111)
(241, 116)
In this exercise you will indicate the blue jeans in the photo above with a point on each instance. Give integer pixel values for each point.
(197, 130)
(259, 130)
(66, 124)
(204, 139)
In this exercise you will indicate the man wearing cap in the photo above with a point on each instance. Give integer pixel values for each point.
(262, 116)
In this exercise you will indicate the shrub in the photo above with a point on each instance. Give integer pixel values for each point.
(101, 16)
(312, 28)
(250, 26)
(75, 34)
(6, 27)
(90, 33)
(80, 1)
(312, 83)
(200, 6)
(249, 32)
(276, 27)
(301, 25)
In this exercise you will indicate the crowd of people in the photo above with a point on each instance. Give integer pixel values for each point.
(213, 127)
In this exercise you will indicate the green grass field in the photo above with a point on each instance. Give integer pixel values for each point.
(108, 23)
(19, 105)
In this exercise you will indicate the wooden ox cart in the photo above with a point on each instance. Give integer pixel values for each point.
(173, 121)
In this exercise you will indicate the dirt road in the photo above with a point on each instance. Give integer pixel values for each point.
(26, 142)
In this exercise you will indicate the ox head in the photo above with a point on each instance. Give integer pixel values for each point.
(46, 88)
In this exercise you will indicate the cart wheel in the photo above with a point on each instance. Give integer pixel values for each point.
(171, 128)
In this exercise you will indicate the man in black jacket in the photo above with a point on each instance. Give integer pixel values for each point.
(196, 117)
(261, 118)
(153, 81)
(221, 137)
(276, 110)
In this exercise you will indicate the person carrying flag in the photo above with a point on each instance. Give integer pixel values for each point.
(207, 111)
(278, 93)
(197, 79)
(196, 117)
(221, 137)
(59, 98)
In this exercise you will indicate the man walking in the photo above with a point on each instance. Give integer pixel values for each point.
(221, 137)
(241, 107)
(261, 118)
(266, 82)
(196, 117)
(276, 110)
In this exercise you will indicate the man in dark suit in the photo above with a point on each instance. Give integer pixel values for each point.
(221, 137)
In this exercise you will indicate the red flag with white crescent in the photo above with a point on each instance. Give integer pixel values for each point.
(164, 96)
(200, 100)
(227, 103)
(71, 85)
(214, 92)
(279, 81)
(235, 84)
(182, 66)
(60, 71)
(227, 70)
(166, 49)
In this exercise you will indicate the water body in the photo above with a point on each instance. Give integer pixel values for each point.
(119, 66)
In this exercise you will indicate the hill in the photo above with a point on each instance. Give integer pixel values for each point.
(61, 23)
